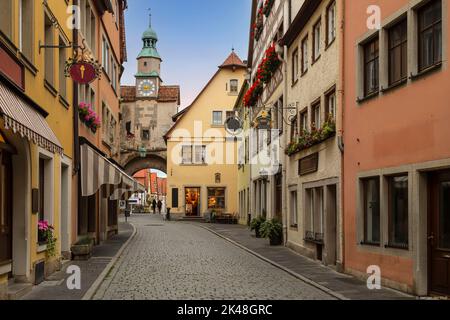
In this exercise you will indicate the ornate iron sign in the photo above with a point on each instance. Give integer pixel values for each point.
(82, 68)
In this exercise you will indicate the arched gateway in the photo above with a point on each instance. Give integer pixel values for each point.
(152, 161)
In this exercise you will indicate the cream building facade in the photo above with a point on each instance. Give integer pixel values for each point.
(201, 156)
(313, 161)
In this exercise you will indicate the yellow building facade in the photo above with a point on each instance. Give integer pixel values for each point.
(36, 139)
(202, 156)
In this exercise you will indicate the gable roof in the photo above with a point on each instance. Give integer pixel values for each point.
(166, 94)
(233, 61)
(229, 63)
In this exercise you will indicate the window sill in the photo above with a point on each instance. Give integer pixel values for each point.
(368, 97)
(370, 244)
(233, 94)
(394, 85)
(330, 44)
(217, 126)
(314, 61)
(28, 64)
(397, 247)
(193, 164)
(41, 248)
(50, 88)
(64, 102)
(293, 227)
(424, 72)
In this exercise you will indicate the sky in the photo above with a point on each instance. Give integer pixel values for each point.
(195, 37)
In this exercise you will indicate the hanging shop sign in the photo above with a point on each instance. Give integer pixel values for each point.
(263, 121)
(82, 69)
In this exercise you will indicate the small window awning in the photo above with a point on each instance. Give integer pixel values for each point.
(98, 172)
(22, 118)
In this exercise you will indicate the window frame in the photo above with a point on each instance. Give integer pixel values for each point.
(364, 183)
(403, 45)
(183, 158)
(208, 189)
(331, 93)
(317, 105)
(304, 61)
(295, 66)
(390, 227)
(421, 30)
(213, 122)
(329, 40)
(234, 86)
(375, 60)
(317, 41)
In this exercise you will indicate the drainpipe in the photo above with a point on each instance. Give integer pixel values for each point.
(76, 142)
(340, 89)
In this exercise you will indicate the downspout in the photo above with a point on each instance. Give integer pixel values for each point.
(76, 142)
(341, 19)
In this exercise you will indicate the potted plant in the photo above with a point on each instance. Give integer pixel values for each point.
(47, 238)
(272, 229)
(82, 250)
(255, 224)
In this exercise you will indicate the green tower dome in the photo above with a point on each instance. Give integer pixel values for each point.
(149, 38)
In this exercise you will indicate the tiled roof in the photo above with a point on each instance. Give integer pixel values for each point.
(233, 60)
(166, 94)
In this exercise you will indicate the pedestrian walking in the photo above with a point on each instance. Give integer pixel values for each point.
(154, 206)
(159, 206)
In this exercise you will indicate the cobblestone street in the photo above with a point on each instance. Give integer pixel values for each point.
(174, 260)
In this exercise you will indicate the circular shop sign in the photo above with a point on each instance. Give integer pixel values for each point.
(83, 72)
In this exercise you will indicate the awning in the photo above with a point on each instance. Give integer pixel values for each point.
(119, 193)
(24, 119)
(97, 171)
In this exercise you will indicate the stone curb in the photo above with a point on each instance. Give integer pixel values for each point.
(292, 273)
(96, 285)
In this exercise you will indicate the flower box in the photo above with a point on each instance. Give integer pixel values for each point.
(309, 139)
(268, 4)
(88, 116)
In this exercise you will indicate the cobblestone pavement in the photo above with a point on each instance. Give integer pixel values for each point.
(174, 260)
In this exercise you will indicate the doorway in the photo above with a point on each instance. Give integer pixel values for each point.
(6, 237)
(439, 233)
(192, 196)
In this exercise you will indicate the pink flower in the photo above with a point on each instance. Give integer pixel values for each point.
(87, 118)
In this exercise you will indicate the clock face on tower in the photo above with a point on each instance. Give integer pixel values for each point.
(146, 88)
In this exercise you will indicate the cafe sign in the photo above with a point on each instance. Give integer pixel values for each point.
(82, 69)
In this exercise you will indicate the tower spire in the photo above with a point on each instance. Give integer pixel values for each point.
(149, 17)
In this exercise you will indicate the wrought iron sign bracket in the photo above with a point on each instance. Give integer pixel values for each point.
(70, 46)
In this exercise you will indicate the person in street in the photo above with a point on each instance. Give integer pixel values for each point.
(159, 206)
(154, 206)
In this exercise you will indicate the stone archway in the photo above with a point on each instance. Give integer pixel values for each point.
(151, 161)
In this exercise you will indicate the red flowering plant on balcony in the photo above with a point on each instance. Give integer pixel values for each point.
(88, 116)
(268, 4)
(252, 95)
(268, 65)
(259, 24)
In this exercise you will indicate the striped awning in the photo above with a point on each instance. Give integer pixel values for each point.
(22, 118)
(126, 191)
(98, 172)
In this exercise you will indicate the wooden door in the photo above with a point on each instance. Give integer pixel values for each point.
(439, 234)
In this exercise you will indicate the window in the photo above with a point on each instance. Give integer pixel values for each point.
(294, 128)
(41, 189)
(316, 121)
(398, 211)
(295, 66)
(304, 120)
(371, 203)
(217, 118)
(279, 115)
(128, 127)
(314, 214)
(48, 39)
(199, 154)
(430, 34)
(26, 24)
(105, 55)
(6, 14)
(186, 154)
(62, 64)
(398, 54)
(216, 198)
(330, 106)
(371, 67)
(331, 23)
(234, 86)
(317, 40)
(145, 135)
(304, 55)
(293, 211)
